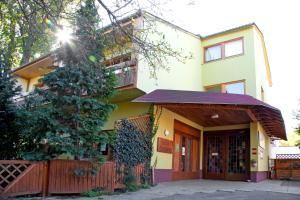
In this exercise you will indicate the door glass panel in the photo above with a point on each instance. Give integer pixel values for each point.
(237, 154)
(188, 163)
(182, 166)
(215, 157)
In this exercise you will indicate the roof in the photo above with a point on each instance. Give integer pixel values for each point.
(238, 28)
(269, 116)
(32, 62)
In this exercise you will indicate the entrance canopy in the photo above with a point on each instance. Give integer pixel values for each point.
(218, 109)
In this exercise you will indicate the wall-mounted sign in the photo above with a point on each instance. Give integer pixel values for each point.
(164, 145)
(214, 154)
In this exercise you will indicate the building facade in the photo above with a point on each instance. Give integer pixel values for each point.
(211, 109)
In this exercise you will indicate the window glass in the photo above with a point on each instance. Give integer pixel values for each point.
(213, 53)
(233, 48)
(214, 89)
(235, 88)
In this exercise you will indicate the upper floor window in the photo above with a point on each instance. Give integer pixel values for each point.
(224, 50)
(213, 53)
(237, 87)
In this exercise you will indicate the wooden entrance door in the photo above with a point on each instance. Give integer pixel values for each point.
(186, 152)
(227, 155)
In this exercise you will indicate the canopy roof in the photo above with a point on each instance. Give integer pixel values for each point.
(232, 108)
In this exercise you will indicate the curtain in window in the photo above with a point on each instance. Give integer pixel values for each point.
(213, 53)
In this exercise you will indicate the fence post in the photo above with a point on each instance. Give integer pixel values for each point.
(46, 178)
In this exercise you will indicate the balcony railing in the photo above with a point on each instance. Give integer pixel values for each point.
(125, 73)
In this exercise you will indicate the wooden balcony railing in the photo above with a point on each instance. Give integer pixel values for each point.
(125, 74)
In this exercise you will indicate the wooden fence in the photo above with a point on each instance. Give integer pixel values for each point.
(19, 177)
(287, 169)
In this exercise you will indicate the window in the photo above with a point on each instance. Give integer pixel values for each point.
(217, 88)
(213, 53)
(233, 48)
(237, 87)
(224, 50)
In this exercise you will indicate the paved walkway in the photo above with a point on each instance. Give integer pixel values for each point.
(210, 190)
(208, 186)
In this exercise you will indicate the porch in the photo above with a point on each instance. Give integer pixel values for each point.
(212, 135)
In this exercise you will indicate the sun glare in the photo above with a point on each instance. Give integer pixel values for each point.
(64, 35)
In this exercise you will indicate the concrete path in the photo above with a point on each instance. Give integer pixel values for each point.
(209, 190)
(208, 187)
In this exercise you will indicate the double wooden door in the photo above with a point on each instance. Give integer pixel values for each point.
(226, 155)
(186, 152)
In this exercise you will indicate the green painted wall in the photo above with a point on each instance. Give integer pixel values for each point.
(233, 68)
(125, 110)
(179, 75)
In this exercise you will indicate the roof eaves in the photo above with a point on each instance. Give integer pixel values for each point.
(230, 30)
(32, 62)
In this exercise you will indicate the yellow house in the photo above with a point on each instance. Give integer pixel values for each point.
(211, 111)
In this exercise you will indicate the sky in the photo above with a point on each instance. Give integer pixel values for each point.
(279, 22)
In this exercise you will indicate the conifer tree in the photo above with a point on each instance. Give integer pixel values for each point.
(9, 129)
(69, 115)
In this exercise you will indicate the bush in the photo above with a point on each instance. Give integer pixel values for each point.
(93, 193)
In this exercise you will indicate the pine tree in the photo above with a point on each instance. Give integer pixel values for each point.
(71, 112)
(9, 137)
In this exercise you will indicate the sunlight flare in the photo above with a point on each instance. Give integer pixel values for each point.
(64, 35)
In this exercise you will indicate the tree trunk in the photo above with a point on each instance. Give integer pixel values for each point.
(27, 49)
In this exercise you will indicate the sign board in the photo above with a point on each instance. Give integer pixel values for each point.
(164, 145)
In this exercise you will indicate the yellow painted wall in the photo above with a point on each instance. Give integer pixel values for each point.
(233, 68)
(32, 82)
(23, 83)
(178, 75)
(260, 68)
(125, 110)
(165, 121)
(263, 163)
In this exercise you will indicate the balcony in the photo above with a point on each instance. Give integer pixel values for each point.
(125, 74)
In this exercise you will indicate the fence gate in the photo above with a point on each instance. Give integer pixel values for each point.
(18, 177)
(287, 166)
